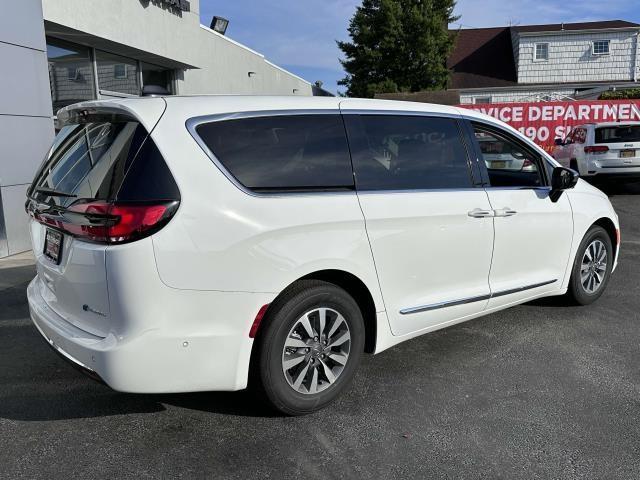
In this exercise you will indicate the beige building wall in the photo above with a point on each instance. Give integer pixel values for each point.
(155, 33)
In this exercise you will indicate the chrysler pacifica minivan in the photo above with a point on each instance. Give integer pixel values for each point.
(215, 242)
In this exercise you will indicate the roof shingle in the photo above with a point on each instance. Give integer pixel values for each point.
(482, 57)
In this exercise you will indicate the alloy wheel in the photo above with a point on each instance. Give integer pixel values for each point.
(316, 350)
(594, 266)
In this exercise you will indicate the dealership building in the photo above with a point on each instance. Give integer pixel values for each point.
(58, 52)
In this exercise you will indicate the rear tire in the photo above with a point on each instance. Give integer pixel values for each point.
(592, 267)
(323, 329)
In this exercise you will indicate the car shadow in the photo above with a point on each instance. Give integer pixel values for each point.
(13, 292)
(554, 302)
(37, 385)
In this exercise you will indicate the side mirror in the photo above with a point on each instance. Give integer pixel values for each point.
(558, 142)
(562, 179)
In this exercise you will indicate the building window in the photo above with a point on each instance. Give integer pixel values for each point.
(155, 75)
(482, 100)
(542, 52)
(70, 73)
(117, 74)
(120, 71)
(601, 47)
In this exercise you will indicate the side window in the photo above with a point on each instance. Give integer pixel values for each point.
(579, 135)
(282, 153)
(509, 162)
(395, 152)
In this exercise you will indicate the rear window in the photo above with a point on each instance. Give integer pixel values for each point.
(282, 153)
(618, 134)
(99, 158)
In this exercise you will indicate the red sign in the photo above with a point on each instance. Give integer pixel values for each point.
(543, 122)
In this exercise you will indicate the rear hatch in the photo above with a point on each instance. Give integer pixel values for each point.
(617, 146)
(104, 182)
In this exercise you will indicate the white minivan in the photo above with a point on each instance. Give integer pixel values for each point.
(215, 242)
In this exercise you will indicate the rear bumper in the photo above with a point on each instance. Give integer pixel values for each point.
(602, 170)
(152, 361)
(604, 176)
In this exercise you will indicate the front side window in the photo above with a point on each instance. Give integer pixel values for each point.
(509, 163)
(282, 153)
(601, 47)
(542, 51)
(70, 73)
(394, 152)
(117, 74)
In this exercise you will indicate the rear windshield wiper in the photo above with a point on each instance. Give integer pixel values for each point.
(54, 193)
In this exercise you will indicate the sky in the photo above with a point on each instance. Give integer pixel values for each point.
(300, 35)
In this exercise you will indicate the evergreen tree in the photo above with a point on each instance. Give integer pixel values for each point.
(398, 45)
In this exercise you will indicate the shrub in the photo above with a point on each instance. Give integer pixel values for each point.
(620, 94)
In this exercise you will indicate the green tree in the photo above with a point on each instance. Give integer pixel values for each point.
(398, 45)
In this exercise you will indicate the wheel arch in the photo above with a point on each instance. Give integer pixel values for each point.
(355, 287)
(607, 224)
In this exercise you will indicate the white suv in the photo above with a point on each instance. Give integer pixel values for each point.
(205, 243)
(602, 149)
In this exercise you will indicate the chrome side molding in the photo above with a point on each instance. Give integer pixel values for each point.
(479, 298)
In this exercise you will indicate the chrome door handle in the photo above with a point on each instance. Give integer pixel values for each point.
(504, 212)
(479, 213)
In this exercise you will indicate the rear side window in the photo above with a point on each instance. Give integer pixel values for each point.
(282, 153)
(392, 152)
(618, 134)
(100, 159)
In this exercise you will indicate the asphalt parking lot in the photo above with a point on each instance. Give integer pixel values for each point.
(539, 391)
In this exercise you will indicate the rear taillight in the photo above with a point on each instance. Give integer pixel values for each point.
(596, 149)
(104, 222)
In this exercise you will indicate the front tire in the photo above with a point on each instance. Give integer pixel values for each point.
(591, 267)
(309, 347)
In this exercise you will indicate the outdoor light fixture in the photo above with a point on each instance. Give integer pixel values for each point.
(252, 74)
(219, 24)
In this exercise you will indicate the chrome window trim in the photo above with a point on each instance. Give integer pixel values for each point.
(401, 113)
(544, 188)
(449, 190)
(194, 122)
(463, 301)
(421, 190)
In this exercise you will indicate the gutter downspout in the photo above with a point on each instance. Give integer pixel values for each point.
(635, 58)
